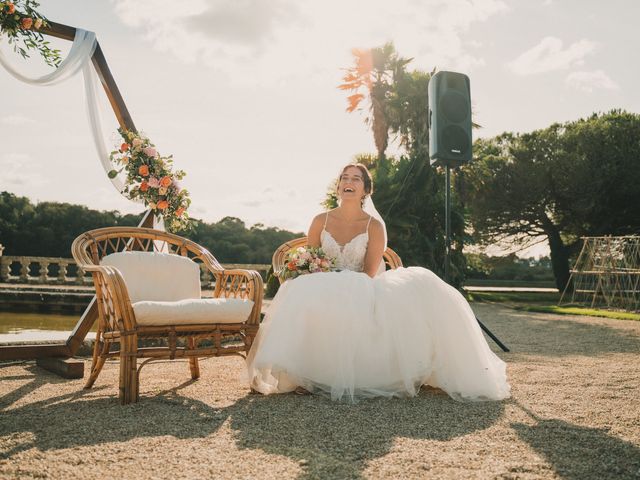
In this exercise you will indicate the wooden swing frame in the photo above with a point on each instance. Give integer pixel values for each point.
(70, 347)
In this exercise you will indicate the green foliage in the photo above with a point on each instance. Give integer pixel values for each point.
(231, 241)
(508, 267)
(566, 181)
(20, 22)
(48, 229)
(592, 312)
(410, 195)
(514, 297)
(272, 284)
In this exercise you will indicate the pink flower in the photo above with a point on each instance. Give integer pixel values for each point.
(27, 23)
(136, 143)
(150, 151)
(154, 182)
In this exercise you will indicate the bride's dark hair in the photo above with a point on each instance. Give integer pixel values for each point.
(366, 176)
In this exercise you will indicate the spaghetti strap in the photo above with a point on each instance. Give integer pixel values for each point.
(369, 222)
(326, 217)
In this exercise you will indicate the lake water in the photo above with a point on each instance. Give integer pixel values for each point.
(22, 327)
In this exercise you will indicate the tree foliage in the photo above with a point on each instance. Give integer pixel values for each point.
(569, 180)
(48, 229)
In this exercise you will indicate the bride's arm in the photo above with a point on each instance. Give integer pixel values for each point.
(375, 248)
(315, 229)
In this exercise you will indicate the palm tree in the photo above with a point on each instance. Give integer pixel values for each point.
(375, 71)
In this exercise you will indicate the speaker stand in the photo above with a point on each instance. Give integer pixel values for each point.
(447, 234)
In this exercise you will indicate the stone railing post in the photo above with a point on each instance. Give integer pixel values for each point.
(24, 269)
(80, 276)
(62, 271)
(44, 271)
(5, 269)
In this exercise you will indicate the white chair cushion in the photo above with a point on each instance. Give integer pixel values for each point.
(155, 276)
(207, 310)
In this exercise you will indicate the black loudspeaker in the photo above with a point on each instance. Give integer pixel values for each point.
(450, 140)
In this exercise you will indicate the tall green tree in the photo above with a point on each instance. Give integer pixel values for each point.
(569, 180)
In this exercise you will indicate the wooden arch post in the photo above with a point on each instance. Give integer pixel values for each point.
(90, 315)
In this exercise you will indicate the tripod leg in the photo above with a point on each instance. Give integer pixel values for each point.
(493, 337)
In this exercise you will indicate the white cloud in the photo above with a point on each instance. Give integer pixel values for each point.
(18, 171)
(590, 81)
(16, 120)
(254, 40)
(549, 55)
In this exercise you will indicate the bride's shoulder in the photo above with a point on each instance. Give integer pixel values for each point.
(376, 226)
(320, 217)
(317, 224)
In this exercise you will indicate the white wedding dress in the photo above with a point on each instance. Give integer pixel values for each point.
(351, 336)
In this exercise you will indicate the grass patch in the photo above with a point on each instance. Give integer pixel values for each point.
(545, 302)
(592, 312)
(514, 297)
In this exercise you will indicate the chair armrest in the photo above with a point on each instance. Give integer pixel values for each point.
(114, 304)
(243, 284)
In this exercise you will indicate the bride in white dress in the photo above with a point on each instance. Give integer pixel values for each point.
(363, 331)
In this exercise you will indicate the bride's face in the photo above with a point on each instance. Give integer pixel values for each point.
(351, 184)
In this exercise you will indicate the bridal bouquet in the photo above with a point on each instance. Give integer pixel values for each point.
(305, 260)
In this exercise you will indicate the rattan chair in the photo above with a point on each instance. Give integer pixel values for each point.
(391, 258)
(117, 320)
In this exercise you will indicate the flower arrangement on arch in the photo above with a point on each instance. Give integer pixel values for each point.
(20, 21)
(305, 260)
(150, 177)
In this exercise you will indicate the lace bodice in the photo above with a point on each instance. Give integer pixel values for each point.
(349, 256)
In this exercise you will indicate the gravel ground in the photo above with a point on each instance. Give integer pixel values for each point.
(574, 414)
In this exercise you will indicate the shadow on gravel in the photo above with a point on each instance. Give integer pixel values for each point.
(34, 374)
(328, 439)
(552, 335)
(580, 453)
(86, 418)
(336, 440)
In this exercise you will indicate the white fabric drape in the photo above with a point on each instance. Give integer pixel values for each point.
(81, 51)
(79, 58)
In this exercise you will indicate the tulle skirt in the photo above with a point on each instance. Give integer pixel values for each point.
(352, 336)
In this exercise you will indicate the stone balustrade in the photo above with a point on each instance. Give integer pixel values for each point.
(64, 271)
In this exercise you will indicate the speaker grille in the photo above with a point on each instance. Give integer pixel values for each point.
(454, 106)
(455, 140)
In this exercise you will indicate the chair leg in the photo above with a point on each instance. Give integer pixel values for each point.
(128, 369)
(194, 365)
(100, 350)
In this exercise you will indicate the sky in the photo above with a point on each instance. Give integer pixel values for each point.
(243, 93)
